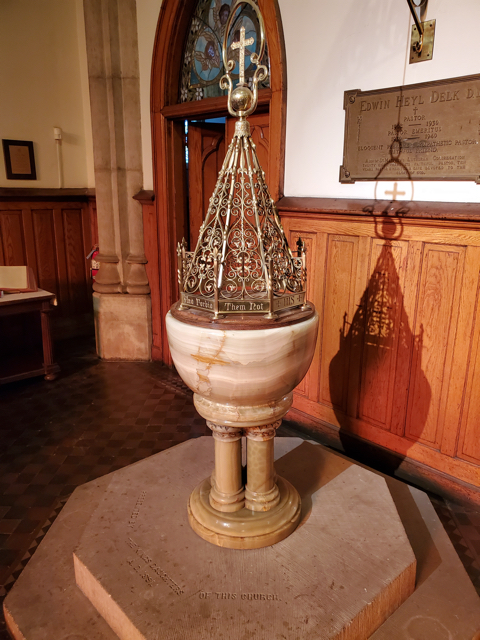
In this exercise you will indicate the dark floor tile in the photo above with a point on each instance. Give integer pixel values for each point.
(19, 542)
(7, 557)
(27, 526)
(16, 512)
(44, 501)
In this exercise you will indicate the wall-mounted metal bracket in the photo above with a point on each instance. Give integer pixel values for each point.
(421, 47)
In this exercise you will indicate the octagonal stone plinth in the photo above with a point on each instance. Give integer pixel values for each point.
(341, 574)
(45, 602)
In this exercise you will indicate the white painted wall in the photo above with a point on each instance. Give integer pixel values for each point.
(44, 84)
(362, 44)
(353, 44)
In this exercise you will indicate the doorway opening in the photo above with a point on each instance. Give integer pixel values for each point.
(179, 207)
(204, 154)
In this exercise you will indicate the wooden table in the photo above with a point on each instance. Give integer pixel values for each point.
(21, 360)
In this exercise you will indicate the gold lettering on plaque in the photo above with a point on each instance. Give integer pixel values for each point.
(428, 131)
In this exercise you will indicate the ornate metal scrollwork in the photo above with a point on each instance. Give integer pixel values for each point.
(242, 262)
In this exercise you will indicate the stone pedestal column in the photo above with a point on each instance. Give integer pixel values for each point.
(261, 492)
(227, 493)
(242, 381)
(121, 302)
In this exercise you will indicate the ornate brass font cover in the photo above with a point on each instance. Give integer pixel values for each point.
(242, 262)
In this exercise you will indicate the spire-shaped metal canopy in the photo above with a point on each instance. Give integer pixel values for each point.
(242, 262)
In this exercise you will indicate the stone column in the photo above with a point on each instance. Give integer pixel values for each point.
(261, 492)
(121, 299)
(227, 493)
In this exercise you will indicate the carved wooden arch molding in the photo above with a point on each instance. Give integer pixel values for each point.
(167, 118)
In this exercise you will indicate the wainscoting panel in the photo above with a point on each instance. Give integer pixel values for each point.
(469, 441)
(53, 237)
(435, 324)
(13, 240)
(398, 354)
(46, 257)
(384, 313)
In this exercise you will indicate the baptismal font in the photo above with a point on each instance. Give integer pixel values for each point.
(242, 335)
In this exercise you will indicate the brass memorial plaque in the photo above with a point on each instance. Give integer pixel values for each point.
(427, 131)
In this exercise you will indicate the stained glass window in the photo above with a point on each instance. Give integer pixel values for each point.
(202, 59)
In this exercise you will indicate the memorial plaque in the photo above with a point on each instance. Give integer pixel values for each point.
(427, 131)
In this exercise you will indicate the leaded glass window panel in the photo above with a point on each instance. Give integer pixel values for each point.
(202, 65)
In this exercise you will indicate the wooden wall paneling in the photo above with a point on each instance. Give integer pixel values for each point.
(436, 322)
(385, 327)
(260, 128)
(315, 260)
(29, 239)
(65, 307)
(278, 101)
(35, 233)
(338, 313)
(316, 251)
(75, 260)
(469, 437)
(2, 254)
(403, 447)
(409, 341)
(207, 107)
(438, 284)
(13, 240)
(90, 237)
(463, 358)
(206, 151)
(445, 214)
(196, 214)
(3, 236)
(428, 231)
(173, 228)
(89, 232)
(179, 184)
(45, 244)
(276, 154)
(356, 337)
(92, 217)
(164, 231)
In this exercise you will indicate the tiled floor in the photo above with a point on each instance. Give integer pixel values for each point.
(98, 417)
(463, 527)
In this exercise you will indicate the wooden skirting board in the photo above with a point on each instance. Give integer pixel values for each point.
(385, 460)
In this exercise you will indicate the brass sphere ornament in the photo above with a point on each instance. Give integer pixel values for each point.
(241, 99)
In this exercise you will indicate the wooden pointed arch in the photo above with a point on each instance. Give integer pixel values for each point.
(167, 224)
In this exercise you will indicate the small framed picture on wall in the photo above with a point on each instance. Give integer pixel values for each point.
(19, 160)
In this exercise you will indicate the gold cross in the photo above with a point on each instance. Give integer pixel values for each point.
(242, 44)
(395, 193)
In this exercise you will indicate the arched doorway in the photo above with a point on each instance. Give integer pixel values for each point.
(169, 224)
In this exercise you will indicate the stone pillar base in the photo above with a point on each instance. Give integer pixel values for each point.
(123, 326)
(244, 529)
